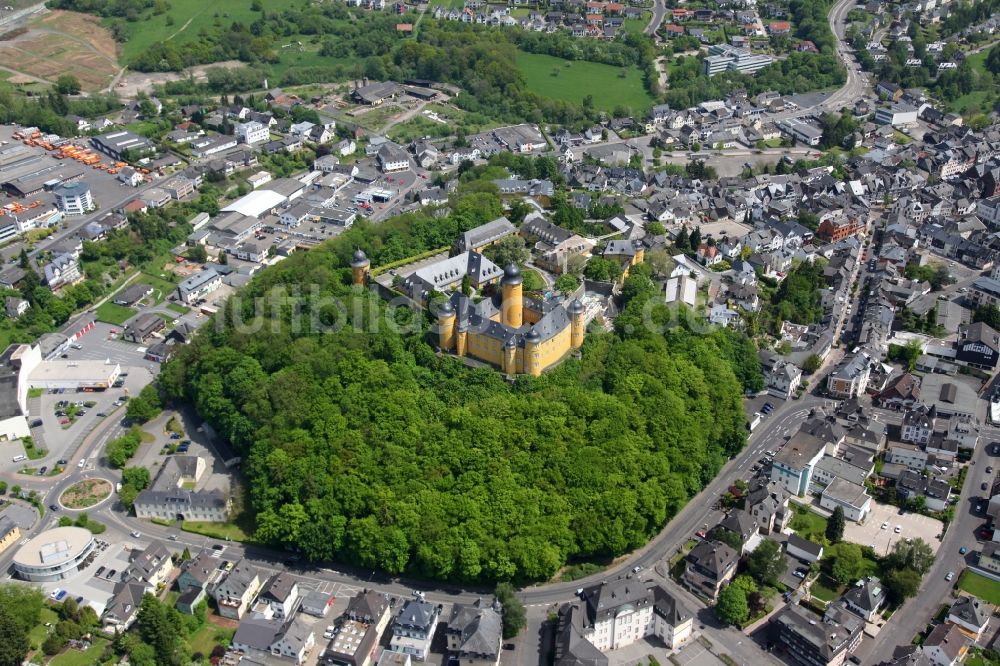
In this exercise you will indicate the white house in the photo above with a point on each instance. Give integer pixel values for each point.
(850, 497)
(253, 132)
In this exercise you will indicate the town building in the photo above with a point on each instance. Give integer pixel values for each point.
(866, 598)
(413, 629)
(793, 466)
(10, 533)
(517, 334)
(74, 198)
(806, 640)
(54, 554)
(851, 497)
(970, 615)
(357, 632)
(709, 566)
(198, 286)
(474, 633)
(238, 590)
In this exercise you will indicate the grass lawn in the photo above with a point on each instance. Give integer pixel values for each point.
(36, 392)
(35, 452)
(85, 658)
(39, 633)
(636, 26)
(231, 531)
(824, 589)
(161, 288)
(189, 16)
(206, 638)
(114, 314)
(980, 586)
(808, 525)
(178, 308)
(574, 80)
(900, 138)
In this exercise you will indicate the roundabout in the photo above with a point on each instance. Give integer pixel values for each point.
(85, 494)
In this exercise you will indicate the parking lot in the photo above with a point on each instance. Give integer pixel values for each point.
(911, 525)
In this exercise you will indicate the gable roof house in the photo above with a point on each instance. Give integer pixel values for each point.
(235, 594)
(709, 566)
(123, 607)
(866, 598)
(970, 615)
(280, 596)
(474, 634)
(151, 567)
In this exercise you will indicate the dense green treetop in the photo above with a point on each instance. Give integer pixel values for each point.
(364, 444)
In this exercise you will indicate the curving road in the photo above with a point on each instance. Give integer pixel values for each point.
(659, 11)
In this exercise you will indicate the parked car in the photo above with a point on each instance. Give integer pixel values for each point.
(898, 529)
(983, 486)
(963, 550)
(951, 574)
(989, 470)
(99, 571)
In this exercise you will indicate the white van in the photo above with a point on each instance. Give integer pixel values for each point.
(20, 458)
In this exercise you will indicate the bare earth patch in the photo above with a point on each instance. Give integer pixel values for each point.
(61, 42)
(85, 494)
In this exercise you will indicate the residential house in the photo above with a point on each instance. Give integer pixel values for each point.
(806, 640)
(709, 566)
(235, 594)
(803, 550)
(474, 633)
(783, 379)
(413, 629)
(123, 606)
(918, 424)
(280, 595)
(865, 598)
(151, 567)
(793, 466)
(970, 615)
(851, 497)
(260, 638)
(946, 645)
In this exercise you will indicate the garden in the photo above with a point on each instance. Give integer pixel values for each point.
(86, 493)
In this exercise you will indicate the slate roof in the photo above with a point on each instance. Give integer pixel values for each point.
(479, 629)
(486, 233)
(867, 594)
(417, 614)
(971, 611)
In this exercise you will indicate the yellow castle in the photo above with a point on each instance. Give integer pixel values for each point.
(517, 334)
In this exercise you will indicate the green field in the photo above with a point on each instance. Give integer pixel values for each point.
(81, 658)
(178, 308)
(161, 288)
(824, 589)
(40, 632)
(576, 79)
(230, 531)
(113, 314)
(188, 17)
(980, 586)
(206, 638)
(808, 525)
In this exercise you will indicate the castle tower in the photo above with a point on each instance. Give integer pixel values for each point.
(575, 311)
(461, 337)
(511, 309)
(640, 253)
(510, 356)
(532, 365)
(360, 265)
(446, 326)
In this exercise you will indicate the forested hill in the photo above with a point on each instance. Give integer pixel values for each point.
(365, 446)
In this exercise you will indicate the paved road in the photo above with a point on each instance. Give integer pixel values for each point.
(659, 11)
(853, 88)
(914, 615)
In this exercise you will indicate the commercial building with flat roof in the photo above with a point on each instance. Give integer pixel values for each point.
(54, 554)
(257, 203)
(61, 374)
(114, 144)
